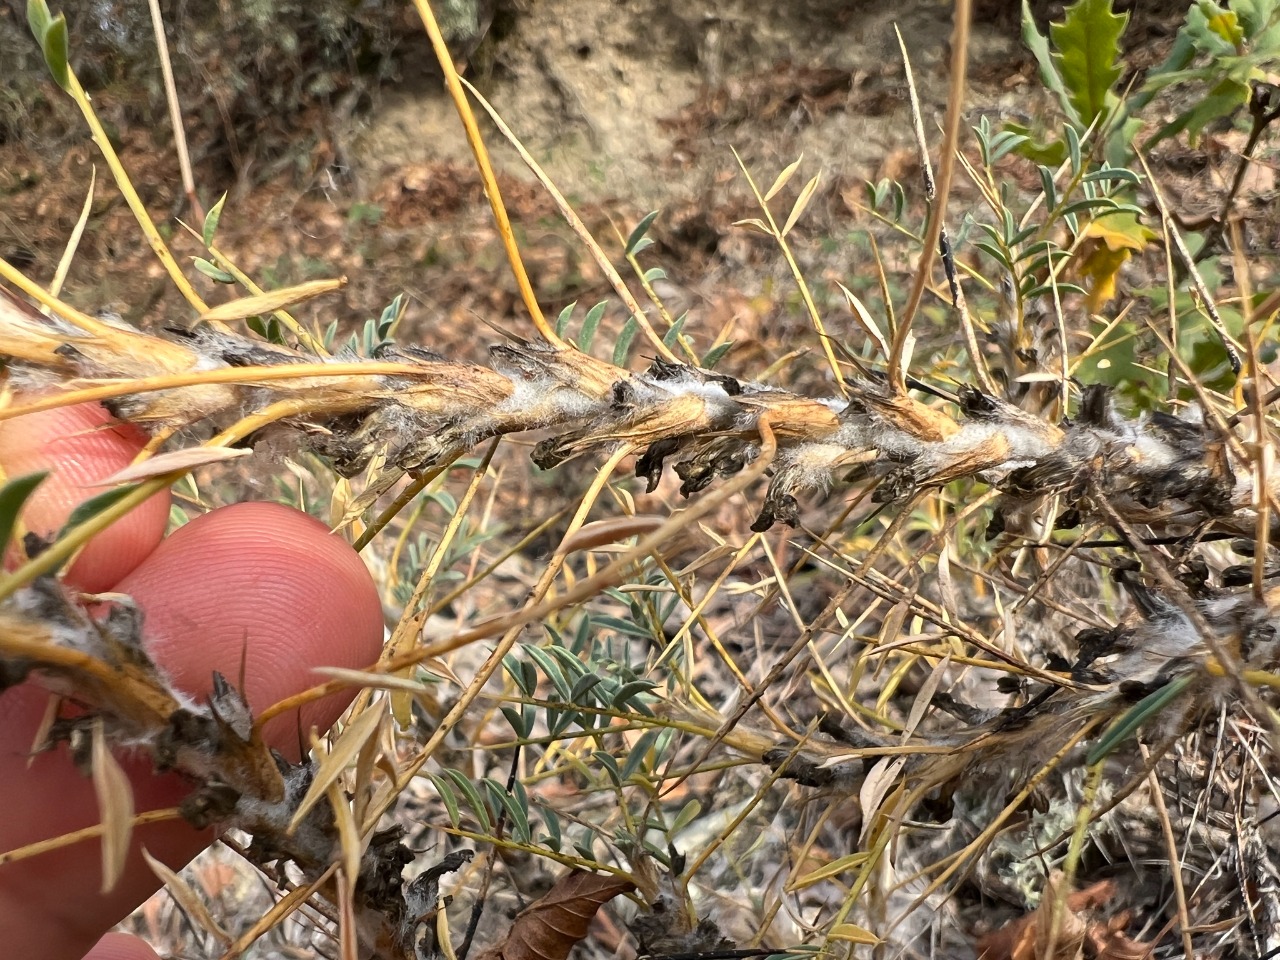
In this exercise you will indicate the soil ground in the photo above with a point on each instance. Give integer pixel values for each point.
(629, 108)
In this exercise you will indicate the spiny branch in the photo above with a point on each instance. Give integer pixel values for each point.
(427, 410)
(420, 411)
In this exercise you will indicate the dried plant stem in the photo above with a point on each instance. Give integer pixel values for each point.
(482, 895)
(917, 121)
(983, 839)
(1262, 449)
(497, 561)
(731, 827)
(575, 223)
(287, 320)
(49, 301)
(613, 574)
(402, 500)
(282, 908)
(1071, 863)
(405, 633)
(175, 111)
(685, 636)
(976, 357)
(72, 540)
(494, 660)
(1212, 414)
(131, 197)
(780, 237)
(937, 208)
(85, 833)
(73, 242)
(1175, 862)
(1184, 254)
(610, 576)
(485, 167)
(1171, 294)
(658, 305)
(696, 611)
(174, 381)
(1264, 111)
(806, 636)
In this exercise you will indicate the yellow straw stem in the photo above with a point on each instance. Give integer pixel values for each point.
(131, 197)
(491, 191)
(174, 381)
(46, 299)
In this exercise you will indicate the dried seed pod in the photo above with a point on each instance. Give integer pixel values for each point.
(644, 409)
(427, 409)
(903, 412)
(51, 352)
(794, 419)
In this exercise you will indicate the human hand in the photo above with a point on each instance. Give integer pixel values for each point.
(257, 584)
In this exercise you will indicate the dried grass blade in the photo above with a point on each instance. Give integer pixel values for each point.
(864, 319)
(187, 898)
(371, 680)
(781, 181)
(801, 203)
(348, 834)
(578, 227)
(115, 808)
(603, 532)
(254, 306)
(173, 462)
(73, 242)
(345, 750)
(925, 697)
(874, 788)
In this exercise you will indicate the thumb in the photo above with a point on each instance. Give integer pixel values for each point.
(256, 589)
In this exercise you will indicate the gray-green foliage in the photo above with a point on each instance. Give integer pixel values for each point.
(1089, 218)
(586, 681)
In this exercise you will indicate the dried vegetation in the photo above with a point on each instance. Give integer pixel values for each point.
(1038, 645)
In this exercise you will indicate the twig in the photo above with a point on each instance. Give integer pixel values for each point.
(937, 208)
(483, 164)
(575, 223)
(805, 638)
(175, 112)
(477, 907)
(1175, 863)
(1264, 108)
(136, 206)
(1215, 319)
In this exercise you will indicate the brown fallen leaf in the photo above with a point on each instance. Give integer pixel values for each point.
(548, 928)
(1029, 937)
(1107, 941)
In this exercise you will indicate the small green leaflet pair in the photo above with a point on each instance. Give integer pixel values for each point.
(15, 494)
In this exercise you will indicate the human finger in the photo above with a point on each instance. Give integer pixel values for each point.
(254, 589)
(81, 445)
(120, 946)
